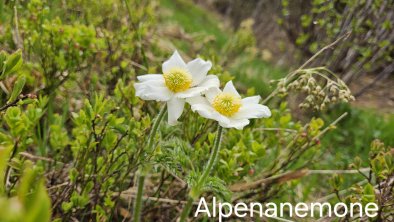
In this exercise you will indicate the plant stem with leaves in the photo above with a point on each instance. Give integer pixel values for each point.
(196, 190)
(143, 169)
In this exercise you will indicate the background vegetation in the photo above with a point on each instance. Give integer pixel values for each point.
(72, 132)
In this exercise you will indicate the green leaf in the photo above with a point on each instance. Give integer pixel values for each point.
(368, 194)
(73, 174)
(336, 181)
(306, 20)
(4, 154)
(19, 84)
(12, 64)
(357, 162)
(369, 190)
(39, 207)
(3, 58)
(218, 187)
(33, 195)
(89, 186)
(67, 206)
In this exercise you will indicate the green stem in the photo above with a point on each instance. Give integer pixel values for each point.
(155, 126)
(195, 191)
(143, 169)
(213, 157)
(186, 209)
(138, 199)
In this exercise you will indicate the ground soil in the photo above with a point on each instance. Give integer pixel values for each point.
(380, 96)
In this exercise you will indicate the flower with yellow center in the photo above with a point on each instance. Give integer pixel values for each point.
(226, 103)
(178, 82)
(228, 108)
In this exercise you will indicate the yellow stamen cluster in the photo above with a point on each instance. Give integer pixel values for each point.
(227, 103)
(178, 80)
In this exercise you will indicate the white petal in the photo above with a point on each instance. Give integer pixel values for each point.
(251, 100)
(211, 81)
(198, 68)
(249, 111)
(229, 88)
(153, 90)
(235, 123)
(197, 100)
(209, 112)
(175, 61)
(149, 77)
(195, 91)
(175, 109)
(212, 93)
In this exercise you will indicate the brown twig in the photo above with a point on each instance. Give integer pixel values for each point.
(127, 195)
(14, 103)
(33, 157)
(280, 178)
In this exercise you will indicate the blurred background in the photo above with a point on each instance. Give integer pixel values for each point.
(72, 130)
(292, 31)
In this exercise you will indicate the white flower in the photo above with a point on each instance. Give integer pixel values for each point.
(228, 108)
(178, 81)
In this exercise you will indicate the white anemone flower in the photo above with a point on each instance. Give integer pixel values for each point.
(228, 108)
(178, 82)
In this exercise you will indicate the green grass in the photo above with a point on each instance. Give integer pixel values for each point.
(256, 73)
(355, 133)
(194, 19)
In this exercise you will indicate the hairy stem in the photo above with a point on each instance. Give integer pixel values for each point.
(138, 198)
(196, 191)
(186, 209)
(143, 169)
(213, 157)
